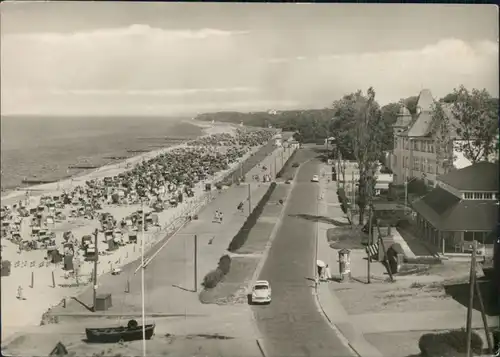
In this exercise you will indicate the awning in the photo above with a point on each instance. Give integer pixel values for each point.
(446, 212)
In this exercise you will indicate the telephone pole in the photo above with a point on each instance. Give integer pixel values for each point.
(249, 200)
(195, 263)
(472, 284)
(370, 242)
(94, 278)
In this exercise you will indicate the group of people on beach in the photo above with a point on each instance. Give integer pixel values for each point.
(157, 183)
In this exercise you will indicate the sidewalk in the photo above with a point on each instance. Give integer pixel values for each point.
(328, 206)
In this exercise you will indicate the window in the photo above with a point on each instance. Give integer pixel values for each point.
(478, 195)
(423, 163)
(468, 195)
(468, 236)
(416, 163)
(431, 147)
(487, 196)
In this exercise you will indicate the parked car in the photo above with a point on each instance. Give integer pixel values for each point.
(315, 178)
(261, 292)
(295, 164)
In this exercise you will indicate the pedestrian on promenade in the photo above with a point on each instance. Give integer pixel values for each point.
(240, 207)
(216, 216)
(20, 293)
(221, 216)
(328, 274)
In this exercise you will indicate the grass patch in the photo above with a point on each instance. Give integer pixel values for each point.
(345, 238)
(257, 238)
(286, 166)
(241, 237)
(233, 288)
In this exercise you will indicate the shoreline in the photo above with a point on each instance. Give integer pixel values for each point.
(22, 315)
(8, 197)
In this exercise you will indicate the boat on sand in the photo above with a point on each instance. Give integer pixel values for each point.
(131, 332)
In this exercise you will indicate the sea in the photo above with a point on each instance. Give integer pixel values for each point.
(42, 147)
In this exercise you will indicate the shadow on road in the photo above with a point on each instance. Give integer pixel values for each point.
(321, 219)
(460, 293)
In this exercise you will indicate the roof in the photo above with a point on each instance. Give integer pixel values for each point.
(422, 122)
(481, 176)
(404, 118)
(446, 212)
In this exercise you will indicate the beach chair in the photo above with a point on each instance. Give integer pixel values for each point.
(108, 234)
(132, 237)
(35, 230)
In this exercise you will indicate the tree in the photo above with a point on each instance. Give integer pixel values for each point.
(362, 126)
(389, 114)
(440, 129)
(476, 123)
(411, 104)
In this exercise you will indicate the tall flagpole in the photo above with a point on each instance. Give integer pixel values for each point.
(142, 286)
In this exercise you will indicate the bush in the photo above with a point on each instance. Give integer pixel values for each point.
(241, 237)
(225, 264)
(213, 278)
(448, 343)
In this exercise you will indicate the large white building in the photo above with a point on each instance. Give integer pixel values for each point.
(414, 154)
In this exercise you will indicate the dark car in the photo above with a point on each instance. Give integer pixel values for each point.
(295, 164)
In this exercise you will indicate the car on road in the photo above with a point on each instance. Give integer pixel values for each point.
(295, 164)
(315, 178)
(261, 292)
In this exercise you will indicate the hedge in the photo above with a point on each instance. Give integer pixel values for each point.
(211, 280)
(214, 277)
(285, 166)
(448, 343)
(241, 237)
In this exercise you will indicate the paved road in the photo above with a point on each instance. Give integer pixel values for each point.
(291, 324)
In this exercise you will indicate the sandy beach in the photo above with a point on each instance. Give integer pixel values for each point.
(35, 284)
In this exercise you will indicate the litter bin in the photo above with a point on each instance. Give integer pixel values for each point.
(344, 264)
(103, 302)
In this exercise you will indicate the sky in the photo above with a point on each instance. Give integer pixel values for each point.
(112, 58)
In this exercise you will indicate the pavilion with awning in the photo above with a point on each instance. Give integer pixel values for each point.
(453, 217)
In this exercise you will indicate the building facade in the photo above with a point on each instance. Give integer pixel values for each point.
(414, 155)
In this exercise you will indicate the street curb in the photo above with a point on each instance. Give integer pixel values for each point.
(272, 236)
(316, 294)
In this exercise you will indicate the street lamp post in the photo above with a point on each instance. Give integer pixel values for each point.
(406, 188)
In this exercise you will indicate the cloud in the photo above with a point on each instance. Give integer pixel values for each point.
(139, 66)
(156, 93)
